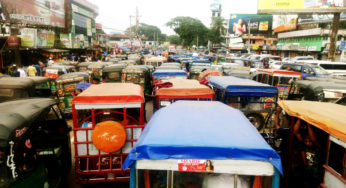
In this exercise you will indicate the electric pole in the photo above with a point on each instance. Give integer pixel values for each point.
(137, 24)
(333, 36)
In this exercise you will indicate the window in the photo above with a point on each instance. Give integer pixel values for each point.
(275, 80)
(333, 66)
(337, 158)
(270, 80)
(307, 70)
(265, 79)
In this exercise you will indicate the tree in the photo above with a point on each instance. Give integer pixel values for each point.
(190, 30)
(173, 39)
(217, 30)
(149, 31)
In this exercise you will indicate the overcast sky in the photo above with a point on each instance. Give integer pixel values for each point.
(116, 14)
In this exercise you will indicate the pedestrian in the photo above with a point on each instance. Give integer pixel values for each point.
(21, 71)
(50, 61)
(311, 170)
(15, 72)
(31, 71)
(38, 69)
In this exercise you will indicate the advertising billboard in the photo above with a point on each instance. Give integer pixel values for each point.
(300, 6)
(28, 37)
(34, 12)
(318, 18)
(291, 25)
(45, 38)
(259, 24)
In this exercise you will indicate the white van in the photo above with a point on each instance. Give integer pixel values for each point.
(334, 68)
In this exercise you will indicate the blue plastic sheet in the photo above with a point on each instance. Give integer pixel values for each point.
(201, 130)
(83, 85)
(169, 73)
(231, 84)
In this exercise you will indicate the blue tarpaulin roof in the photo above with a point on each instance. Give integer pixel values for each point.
(163, 72)
(201, 130)
(242, 86)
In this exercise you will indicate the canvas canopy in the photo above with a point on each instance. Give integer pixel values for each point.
(201, 130)
(240, 86)
(328, 117)
(14, 114)
(111, 93)
(169, 73)
(184, 87)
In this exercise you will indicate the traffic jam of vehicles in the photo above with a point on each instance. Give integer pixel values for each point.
(155, 125)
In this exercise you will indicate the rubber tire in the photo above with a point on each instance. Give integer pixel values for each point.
(256, 117)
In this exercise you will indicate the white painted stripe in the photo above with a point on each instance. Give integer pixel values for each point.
(239, 167)
(106, 106)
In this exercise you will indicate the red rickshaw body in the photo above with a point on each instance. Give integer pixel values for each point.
(182, 89)
(278, 78)
(120, 102)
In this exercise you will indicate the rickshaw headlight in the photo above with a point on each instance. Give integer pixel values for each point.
(165, 103)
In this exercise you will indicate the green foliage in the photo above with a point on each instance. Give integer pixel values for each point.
(149, 31)
(217, 30)
(173, 39)
(190, 30)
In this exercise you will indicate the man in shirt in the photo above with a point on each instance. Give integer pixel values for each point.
(21, 71)
(31, 70)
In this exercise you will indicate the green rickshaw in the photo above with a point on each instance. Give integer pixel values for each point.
(66, 84)
(112, 73)
(137, 74)
(44, 86)
(128, 62)
(83, 67)
(34, 144)
(16, 88)
(95, 70)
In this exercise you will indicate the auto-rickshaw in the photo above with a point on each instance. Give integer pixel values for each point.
(165, 74)
(95, 70)
(200, 63)
(44, 86)
(16, 88)
(34, 144)
(204, 144)
(138, 74)
(168, 68)
(56, 70)
(181, 89)
(171, 64)
(205, 74)
(279, 78)
(83, 67)
(128, 62)
(196, 70)
(66, 88)
(107, 121)
(112, 73)
(256, 100)
(316, 136)
(240, 72)
(154, 61)
(317, 89)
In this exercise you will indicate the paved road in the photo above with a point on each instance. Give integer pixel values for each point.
(70, 181)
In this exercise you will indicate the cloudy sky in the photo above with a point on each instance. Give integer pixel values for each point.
(115, 14)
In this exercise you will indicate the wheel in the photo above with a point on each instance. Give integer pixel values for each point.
(256, 119)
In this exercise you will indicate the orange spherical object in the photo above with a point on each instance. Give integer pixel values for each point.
(109, 136)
